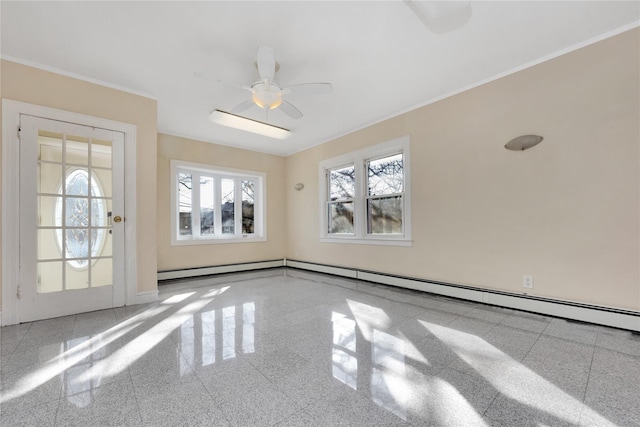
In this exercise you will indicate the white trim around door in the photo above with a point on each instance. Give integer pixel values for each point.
(11, 112)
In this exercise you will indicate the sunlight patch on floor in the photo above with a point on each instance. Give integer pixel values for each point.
(139, 346)
(67, 359)
(508, 376)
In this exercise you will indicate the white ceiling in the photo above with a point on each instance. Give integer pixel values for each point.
(381, 58)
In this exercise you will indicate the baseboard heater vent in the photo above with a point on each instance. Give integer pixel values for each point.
(218, 269)
(617, 318)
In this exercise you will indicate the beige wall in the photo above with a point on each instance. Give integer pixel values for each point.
(34, 86)
(565, 211)
(175, 257)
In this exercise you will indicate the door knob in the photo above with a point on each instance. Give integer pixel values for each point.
(117, 219)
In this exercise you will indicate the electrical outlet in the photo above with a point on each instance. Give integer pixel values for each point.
(527, 282)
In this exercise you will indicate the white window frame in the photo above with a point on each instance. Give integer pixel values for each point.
(359, 159)
(219, 172)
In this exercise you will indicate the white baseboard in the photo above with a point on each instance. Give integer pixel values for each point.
(218, 269)
(617, 318)
(146, 297)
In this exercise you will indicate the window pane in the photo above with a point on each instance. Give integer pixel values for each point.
(76, 277)
(102, 272)
(342, 183)
(49, 177)
(48, 215)
(184, 201)
(248, 194)
(227, 200)
(77, 183)
(206, 205)
(341, 218)
(385, 176)
(101, 153)
(77, 150)
(49, 277)
(384, 215)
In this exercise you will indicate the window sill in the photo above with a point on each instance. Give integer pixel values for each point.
(367, 241)
(190, 242)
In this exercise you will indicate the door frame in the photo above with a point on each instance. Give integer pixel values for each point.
(11, 112)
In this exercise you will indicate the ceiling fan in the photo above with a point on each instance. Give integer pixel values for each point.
(266, 93)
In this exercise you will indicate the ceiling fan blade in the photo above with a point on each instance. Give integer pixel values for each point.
(266, 62)
(290, 110)
(207, 76)
(243, 106)
(308, 89)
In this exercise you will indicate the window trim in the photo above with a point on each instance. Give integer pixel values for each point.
(260, 203)
(358, 159)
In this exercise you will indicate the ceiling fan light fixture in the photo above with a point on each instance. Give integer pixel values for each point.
(267, 97)
(248, 125)
(267, 100)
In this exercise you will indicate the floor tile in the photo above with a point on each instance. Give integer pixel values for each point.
(278, 364)
(14, 332)
(257, 406)
(186, 404)
(618, 364)
(351, 408)
(21, 391)
(621, 341)
(527, 321)
(613, 391)
(507, 412)
(109, 405)
(602, 414)
(43, 415)
(579, 332)
(293, 348)
(554, 348)
(8, 347)
(299, 419)
(309, 385)
(230, 377)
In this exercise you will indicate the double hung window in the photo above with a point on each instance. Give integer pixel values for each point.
(214, 205)
(365, 195)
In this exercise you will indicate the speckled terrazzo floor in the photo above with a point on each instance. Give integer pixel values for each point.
(290, 348)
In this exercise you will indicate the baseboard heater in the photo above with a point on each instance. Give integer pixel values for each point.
(218, 269)
(617, 318)
(608, 316)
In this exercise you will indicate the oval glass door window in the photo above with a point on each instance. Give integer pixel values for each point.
(77, 216)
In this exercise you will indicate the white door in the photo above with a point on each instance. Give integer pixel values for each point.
(71, 219)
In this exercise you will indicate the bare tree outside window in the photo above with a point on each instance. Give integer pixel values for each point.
(248, 201)
(385, 186)
(227, 188)
(367, 195)
(342, 184)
